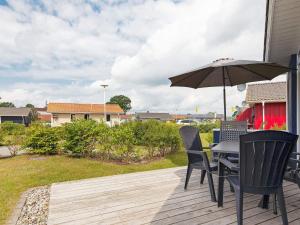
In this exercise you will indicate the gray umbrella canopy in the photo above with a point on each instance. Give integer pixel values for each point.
(228, 72)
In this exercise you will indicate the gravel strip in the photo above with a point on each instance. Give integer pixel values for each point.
(35, 210)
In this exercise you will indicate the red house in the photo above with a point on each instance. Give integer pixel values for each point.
(267, 105)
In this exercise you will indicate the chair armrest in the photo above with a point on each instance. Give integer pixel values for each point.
(196, 152)
(212, 145)
(295, 153)
(295, 160)
(233, 159)
(230, 165)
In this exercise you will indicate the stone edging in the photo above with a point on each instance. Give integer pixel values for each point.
(17, 210)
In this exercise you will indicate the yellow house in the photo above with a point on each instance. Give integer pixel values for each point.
(66, 112)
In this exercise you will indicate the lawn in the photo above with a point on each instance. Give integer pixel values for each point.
(22, 172)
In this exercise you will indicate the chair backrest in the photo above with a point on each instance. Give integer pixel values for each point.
(231, 130)
(263, 159)
(191, 140)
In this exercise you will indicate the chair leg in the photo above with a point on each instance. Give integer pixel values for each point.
(231, 188)
(275, 204)
(221, 185)
(188, 175)
(264, 202)
(239, 206)
(211, 187)
(203, 172)
(281, 203)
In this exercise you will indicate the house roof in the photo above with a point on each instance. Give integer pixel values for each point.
(179, 116)
(282, 30)
(206, 116)
(9, 111)
(267, 92)
(148, 115)
(43, 109)
(83, 108)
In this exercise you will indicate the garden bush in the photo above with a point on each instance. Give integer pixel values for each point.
(42, 140)
(11, 128)
(208, 127)
(277, 127)
(133, 141)
(104, 146)
(123, 142)
(159, 138)
(12, 136)
(80, 137)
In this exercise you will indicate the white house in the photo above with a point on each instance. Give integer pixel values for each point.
(66, 112)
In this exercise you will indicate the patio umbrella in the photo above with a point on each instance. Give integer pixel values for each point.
(228, 72)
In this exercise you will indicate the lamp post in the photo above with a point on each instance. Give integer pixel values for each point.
(104, 106)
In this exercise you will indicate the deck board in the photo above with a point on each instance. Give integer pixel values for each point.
(156, 198)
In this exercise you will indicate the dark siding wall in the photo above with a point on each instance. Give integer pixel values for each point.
(16, 119)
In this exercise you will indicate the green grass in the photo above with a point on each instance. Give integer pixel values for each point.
(22, 172)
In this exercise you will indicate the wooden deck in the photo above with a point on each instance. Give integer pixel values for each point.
(156, 197)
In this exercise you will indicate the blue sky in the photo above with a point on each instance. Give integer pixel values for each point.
(62, 50)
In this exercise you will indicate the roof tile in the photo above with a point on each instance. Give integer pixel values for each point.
(83, 108)
(268, 92)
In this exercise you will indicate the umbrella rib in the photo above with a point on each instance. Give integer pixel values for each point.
(209, 71)
(184, 78)
(279, 66)
(226, 68)
(245, 68)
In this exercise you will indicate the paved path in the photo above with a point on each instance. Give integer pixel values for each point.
(156, 197)
(4, 152)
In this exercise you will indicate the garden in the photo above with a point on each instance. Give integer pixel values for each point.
(84, 149)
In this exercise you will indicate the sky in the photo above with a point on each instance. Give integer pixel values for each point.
(63, 50)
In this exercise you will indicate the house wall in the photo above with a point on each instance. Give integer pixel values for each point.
(62, 118)
(16, 119)
(97, 117)
(58, 119)
(275, 114)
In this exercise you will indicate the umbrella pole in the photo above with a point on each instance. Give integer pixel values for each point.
(224, 94)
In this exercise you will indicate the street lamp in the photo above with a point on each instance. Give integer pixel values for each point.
(104, 107)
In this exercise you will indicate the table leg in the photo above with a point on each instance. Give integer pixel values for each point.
(264, 202)
(221, 183)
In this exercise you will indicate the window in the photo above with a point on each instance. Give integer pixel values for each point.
(86, 116)
(55, 117)
(108, 117)
(72, 117)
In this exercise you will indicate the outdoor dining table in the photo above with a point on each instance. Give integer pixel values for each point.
(233, 147)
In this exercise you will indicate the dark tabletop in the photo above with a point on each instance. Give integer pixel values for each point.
(227, 147)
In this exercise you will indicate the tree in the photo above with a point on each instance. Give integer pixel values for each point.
(123, 101)
(34, 114)
(29, 106)
(7, 104)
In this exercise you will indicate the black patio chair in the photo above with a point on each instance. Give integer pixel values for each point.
(292, 173)
(197, 158)
(231, 131)
(262, 163)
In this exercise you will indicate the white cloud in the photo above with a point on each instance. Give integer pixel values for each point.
(134, 46)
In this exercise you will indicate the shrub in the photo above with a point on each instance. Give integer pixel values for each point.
(123, 142)
(208, 127)
(104, 141)
(42, 140)
(11, 128)
(2, 137)
(80, 137)
(14, 143)
(159, 138)
(12, 135)
(277, 127)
